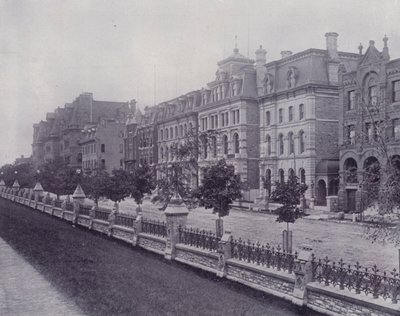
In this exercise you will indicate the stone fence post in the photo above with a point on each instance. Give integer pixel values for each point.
(38, 191)
(78, 198)
(176, 214)
(302, 275)
(111, 219)
(137, 227)
(2, 186)
(224, 252)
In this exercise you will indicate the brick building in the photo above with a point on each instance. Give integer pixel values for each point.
(103, 145)
(369, 104)
(60, 133)
(299, 111)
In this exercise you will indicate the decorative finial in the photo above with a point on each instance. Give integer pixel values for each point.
(371, 43)
(385, 40)
(236, 50)
(360, 49)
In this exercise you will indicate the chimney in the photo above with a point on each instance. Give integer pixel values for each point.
(286, 53)
(385, 50)
(261, 59)
(331, 45)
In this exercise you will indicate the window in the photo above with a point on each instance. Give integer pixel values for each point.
(185, 129)
(235, 116)
(268, 118)
(171, 132)
(79, 158)
(103, 148)
(166, 154)
(281, 176)
(369, 132)
(176, 132)
(161, 135)
(226, 119)
(280, 144)
(396, 91)
(222, 119)
(290, 113)
(268, 143)
(396, 128)
(162, 153)
(280, 115)
(121, 148)
(291, 143)
(373, 95)
(301, 142)
(225, 144)
(301, 111)
(214, 146)
(121, 163)
(205, 147)
(351, 100)
(236, 143)
(166, 133)
(351, 134)
(103, 163)
(302, 176)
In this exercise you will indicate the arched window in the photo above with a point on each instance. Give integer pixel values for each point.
(290, 113)
(280, 144)
(166, 133)
(281, 175)
(302, 176)
(205, 147)
(268, 143)
(225, 144)
(301, 142)
(171, 132)
(166, 153)
(190, 126)
(162, 153)
(214, 146)
(291, 173)
(291, 143)
(185, 128)
(350, 167)
(236, 143)
(301, 111)
(176, 131)
(161, 135)
(181, 130)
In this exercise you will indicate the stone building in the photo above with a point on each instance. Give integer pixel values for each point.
(369, 112)
(60, 133)
(299, 117)
(102, 145)
(229, 106)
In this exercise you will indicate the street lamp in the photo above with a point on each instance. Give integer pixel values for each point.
(78, 172)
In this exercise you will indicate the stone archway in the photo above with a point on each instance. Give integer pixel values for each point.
(321, 193)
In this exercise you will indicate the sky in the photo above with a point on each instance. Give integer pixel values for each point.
(152, 51)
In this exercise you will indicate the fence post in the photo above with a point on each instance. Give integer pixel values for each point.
(2, 186)
(78, 198)
(111, 219)
(224, 252)
(176, 214)
(38, 191)
(137, 227)
(302, 275)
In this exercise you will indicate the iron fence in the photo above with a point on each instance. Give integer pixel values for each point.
(153, 227)
(199, 238)
(102, 214)
(263, 255)
(125, 220)
(85, 209)
(357, 278)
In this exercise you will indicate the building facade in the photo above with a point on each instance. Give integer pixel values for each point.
(59, 135)
(369, 115)
(102, 146)
(299, 117)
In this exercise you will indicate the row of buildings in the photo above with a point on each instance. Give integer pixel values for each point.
(313, 114)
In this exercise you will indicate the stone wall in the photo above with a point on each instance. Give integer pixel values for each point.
(295, 286)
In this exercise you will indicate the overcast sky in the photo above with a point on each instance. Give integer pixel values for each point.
(51, 51)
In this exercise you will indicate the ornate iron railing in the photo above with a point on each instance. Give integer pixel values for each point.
(57, 203)
(102, 214)
(69, 206)
(153, 227)
(198, 238)
(263, 255)
(357, 278)
(125, 220)
(84, 209)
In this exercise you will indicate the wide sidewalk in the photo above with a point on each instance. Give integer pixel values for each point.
(24, 291)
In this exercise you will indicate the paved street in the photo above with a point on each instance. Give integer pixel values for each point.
(52, 263)
(332, 239)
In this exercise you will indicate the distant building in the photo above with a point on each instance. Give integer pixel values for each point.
(60, 133)
(369, 95)
(22, 160)
(102, 146)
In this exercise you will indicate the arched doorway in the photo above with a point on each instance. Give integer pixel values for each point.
(321, 193)
(350, 169)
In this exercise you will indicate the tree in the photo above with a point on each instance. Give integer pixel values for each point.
(96, 184)
(289, 194)
(120, 182)
(58, 177)
(219, 188)
(23, 172)
(142, 182)
(177, 172)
